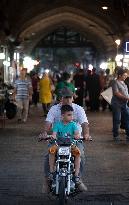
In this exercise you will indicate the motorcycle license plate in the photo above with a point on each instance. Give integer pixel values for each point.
(64, 151)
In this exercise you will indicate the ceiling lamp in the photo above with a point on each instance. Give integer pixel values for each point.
(104, 7)
(118, 41)
(2, 56)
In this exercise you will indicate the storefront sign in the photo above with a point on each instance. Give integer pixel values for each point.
(127, 46)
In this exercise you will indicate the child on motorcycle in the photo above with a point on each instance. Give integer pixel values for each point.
(61, 129)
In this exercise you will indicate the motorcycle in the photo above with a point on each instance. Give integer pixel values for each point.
(63, 186)
(7, 106)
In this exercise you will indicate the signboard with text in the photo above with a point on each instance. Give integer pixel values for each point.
(127, 46)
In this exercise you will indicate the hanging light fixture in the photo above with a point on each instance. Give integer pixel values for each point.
(2, 54)
(105, 7)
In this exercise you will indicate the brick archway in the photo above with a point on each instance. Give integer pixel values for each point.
(91, 26)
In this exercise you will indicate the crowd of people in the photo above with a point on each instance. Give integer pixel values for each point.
(85, 86)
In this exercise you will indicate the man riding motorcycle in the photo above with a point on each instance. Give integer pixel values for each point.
(79, 116)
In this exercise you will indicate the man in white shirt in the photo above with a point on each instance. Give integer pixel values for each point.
(54, 115)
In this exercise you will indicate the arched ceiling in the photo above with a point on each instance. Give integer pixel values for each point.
(31, 20)
(93, 28)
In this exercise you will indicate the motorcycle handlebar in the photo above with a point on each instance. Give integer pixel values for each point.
(45, 138)
(49, 137)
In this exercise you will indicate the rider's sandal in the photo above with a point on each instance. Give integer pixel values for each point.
(82, 187)
(50, 176)
(90, 138)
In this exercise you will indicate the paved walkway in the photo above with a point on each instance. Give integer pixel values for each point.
(21, 164)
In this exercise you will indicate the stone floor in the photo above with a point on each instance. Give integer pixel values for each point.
(21, 164)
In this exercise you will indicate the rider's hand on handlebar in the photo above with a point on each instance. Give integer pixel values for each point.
(53, 137)
(77, 137)
(42, 136)
(87, 137)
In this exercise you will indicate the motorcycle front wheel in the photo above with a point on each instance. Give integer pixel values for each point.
(62, 196)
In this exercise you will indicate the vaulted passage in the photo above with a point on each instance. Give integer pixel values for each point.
(95, 29)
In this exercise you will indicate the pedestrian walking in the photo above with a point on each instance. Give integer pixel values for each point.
(65, 82)
(119, 104)
(22, 95)
(79, 82)
(35, 96)
(45, 93)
